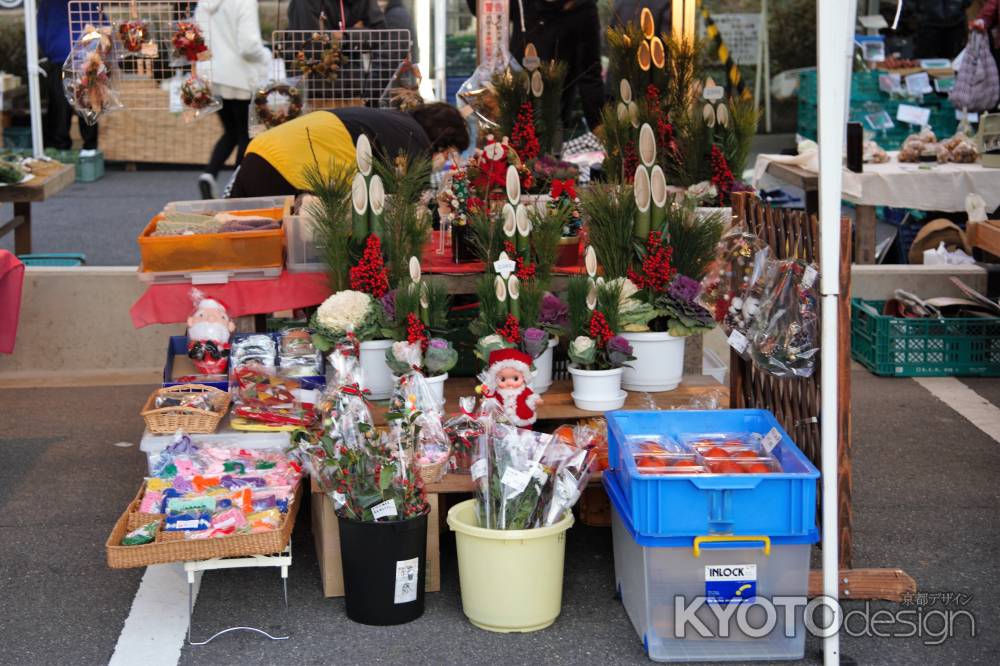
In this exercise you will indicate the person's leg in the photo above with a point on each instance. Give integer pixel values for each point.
(586, 33)
(60, 113)
(257, 178)
(241, 121)
(229, 139)
(88, 133)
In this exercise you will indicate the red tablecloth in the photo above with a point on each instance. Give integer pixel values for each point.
(11, 282)
(171, 303)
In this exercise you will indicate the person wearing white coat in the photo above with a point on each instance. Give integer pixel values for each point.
(239, 63)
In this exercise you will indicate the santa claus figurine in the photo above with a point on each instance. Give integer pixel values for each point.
(209, 328)
(505, 386)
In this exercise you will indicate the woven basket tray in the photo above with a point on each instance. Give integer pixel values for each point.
(168, 548)
(168, 420)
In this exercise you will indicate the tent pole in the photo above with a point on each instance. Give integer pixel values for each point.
(34, 94)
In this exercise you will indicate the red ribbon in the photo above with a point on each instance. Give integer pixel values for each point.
(567, 187)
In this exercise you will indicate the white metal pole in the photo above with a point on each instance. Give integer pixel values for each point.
(766, 34)
(34, 94)
(440, 46)
(422, 18)
(833, 27)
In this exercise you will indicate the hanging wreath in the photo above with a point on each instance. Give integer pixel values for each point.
(327, 65)
(196, 92)
(188, 40)
(270, 116)
(133, 34)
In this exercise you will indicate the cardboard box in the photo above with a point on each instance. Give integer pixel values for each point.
(326, 536)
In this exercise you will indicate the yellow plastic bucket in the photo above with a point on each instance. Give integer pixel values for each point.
(511, 580)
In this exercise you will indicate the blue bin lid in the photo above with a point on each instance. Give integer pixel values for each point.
(620, 505)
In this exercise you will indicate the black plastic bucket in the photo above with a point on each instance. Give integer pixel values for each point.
(384, 566)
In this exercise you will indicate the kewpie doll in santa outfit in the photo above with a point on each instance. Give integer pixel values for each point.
(505, 386)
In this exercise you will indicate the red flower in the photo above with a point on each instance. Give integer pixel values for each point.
(656, 269)
(511, 330)
(370, 275)
(599, 329)
(523, 138)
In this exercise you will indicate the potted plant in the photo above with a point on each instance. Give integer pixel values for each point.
(432, 357)
(351, 314)
(598, 355)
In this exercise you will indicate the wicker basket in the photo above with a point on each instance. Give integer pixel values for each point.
(432, 473)
(173, 547)
(168, 420)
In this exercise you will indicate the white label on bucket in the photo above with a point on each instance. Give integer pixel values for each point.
(386, 509)
(478, 469)
(738, 341)
(809, 276)
(771, 440)
(407, 576)
(515, 479)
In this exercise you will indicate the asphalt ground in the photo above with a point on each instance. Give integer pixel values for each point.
(925, 500)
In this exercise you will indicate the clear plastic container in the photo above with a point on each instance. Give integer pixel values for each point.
(212, 206)
(703, 442)
(303, 254)
(653, 574)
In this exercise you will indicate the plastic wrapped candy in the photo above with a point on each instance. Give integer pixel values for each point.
(297, 356)
(464, 430)
(258, 348)
(784, 338)
(266, 396)
(732, 288)
(198, 98)
(90, 75)
(142, 534)
(276, 102)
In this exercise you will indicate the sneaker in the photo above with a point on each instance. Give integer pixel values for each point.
(206, 183)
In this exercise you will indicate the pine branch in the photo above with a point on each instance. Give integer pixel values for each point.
(610, 213)
(692, 239)
(546, 232)
(576, 298)
(331, 217)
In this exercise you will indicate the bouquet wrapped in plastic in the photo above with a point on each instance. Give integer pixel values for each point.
(734, 285)
(197, 97)
(517, 478)
(571, 461)
(90, 75)
(464, 430)
(411, 391)
(784, 338)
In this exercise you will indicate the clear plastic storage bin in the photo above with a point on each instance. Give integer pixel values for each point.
(654, 574)
(303, 254)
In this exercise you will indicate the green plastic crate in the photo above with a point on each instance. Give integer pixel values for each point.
(901, 347)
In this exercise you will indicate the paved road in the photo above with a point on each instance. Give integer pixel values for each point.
(925, 500)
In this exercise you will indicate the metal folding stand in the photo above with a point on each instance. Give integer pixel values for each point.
(282, 561)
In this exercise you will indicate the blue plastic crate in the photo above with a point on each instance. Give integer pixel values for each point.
(686, 505)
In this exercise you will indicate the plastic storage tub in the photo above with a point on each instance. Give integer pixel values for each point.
(654, 575)
(776, 504)
(303, 254)
(214, 252)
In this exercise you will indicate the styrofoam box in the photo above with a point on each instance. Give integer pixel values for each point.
(303, 256)
(777, 504)
(650, 573)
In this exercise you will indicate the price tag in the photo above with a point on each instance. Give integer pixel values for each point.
(478, 469)
(714, 93)
(972, 116)
(406, 580)
(809, 276)
(918, 84)
(913, 115)
(504, 267)
(515, 479)
(386, 509)
(771, 440)
(149, 50)
(738, 341)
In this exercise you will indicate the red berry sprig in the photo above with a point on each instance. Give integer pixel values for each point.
(656, 269)
(416, 331)
(599, 329)
(523, 137)
(722, 177)
(511, 330)
(371, 275)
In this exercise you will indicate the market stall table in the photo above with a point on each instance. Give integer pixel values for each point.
(920, 186)
(49, 179)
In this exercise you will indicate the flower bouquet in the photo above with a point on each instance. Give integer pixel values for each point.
(432, 359)
(464, 430)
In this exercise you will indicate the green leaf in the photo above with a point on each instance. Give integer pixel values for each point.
(321, 343)
(385, 478)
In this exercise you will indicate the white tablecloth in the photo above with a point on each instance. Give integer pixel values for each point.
(923, 185)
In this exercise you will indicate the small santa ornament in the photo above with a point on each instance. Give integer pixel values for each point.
(505, 386)
(209, 328)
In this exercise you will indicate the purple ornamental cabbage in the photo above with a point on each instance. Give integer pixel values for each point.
(553, 312)
(683, 288)
(535, 341)
(619, 351)
(388, 302)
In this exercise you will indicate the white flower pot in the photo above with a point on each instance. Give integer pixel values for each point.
(436, 385)
(658, 364)
(597, 390)
(543, 368)
(376, 375)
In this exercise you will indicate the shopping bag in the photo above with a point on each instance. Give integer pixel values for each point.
(977, 85)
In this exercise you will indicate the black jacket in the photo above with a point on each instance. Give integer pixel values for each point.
(304, 14)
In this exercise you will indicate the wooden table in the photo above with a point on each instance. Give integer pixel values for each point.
(49, 180)
(808, 182)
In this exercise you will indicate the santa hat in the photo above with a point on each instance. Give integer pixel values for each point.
(504, 359)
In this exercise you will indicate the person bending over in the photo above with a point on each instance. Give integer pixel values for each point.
(275, 159)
